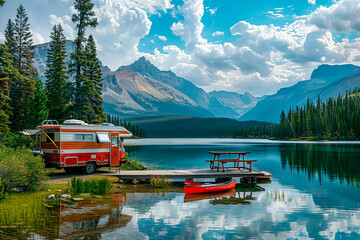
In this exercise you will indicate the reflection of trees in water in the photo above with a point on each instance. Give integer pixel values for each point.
(91, 218)
(336, 162)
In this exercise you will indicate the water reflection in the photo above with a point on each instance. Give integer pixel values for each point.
(338, 163)
(25, 216)
(93, 217)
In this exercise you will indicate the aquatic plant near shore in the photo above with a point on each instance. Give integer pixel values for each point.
(93, 186)
(159, 182)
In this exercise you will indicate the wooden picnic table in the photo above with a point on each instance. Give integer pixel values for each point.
(236, 160)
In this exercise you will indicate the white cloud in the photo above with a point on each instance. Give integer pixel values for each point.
(342, 16)
(217, 33)
(38, 38)
(162, 38)
(150, 6)
(312, 1)
(191, 28)
(66, 23)
(212, 11)
(274, 15)
(2, 37)
(120, 29)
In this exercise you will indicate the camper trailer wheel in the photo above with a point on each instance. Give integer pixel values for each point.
(90, 168)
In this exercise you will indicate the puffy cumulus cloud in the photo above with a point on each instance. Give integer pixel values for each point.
(66, 23)
(121, 26)
(150, 6)
(342, 16)
(38, 38)
(191, 28)
(217, 33)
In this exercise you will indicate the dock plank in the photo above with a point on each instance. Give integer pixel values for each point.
(181, 174)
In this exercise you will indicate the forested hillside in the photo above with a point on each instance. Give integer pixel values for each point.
(335, 118)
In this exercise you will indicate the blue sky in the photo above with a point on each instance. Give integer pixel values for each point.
(257, 46)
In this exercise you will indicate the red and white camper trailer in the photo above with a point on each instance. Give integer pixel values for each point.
(77, 144)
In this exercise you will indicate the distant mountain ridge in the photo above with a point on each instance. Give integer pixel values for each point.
(207, 101)
(326, 81)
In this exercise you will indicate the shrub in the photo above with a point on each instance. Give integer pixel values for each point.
(15, 140)
(159, 182)
(2, 195)
(93, 186)
(132, 165)
(19, 168)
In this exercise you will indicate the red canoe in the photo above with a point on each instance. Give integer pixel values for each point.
(193, 187)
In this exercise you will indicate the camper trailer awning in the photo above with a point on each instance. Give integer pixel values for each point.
(30, 132)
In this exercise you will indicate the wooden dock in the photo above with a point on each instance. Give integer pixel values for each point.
(184, 174)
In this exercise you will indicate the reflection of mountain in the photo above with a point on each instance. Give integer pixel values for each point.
(91, 218)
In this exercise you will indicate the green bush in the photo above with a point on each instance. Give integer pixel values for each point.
(132, 165)
(19, 168)
(2, 194)
(159, 182)
(93, 186)
(15, 140)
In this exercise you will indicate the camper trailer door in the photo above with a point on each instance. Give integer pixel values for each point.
(114, 149)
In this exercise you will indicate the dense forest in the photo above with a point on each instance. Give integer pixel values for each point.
(167, 126)
(135, 130)
(71, 90)
(331, 119)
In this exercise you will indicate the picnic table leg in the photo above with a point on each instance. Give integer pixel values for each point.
(218, 163)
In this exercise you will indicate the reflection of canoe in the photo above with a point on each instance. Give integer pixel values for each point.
(202, 196)
(193, 187)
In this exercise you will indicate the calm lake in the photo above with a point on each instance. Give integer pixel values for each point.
(314, 194)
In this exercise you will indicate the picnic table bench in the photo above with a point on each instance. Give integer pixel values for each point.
(237, 160)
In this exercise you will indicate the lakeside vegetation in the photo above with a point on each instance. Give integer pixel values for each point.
(333, 119)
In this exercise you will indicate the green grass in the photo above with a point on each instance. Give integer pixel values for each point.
(159, 182)
(93, 186)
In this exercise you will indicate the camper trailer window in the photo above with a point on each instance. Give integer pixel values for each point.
(52, 136)
(103, 137)
(84, 137)
(114, 141)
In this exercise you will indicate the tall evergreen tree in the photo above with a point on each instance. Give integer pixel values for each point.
(22, 87)
(7, 71)
(10, 39)
(56, 76)
(24, 44)
(93, 74)
(85, 17)
(38, 108)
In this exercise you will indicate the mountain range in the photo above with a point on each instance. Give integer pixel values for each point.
(325, 81)
(141, 89)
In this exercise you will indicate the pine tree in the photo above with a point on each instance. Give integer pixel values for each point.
(7, 71)
(38, 106)
(56, 76)
(22, 88)
(10, 39)
(84, 18)
(92, 71)
(24, 44)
